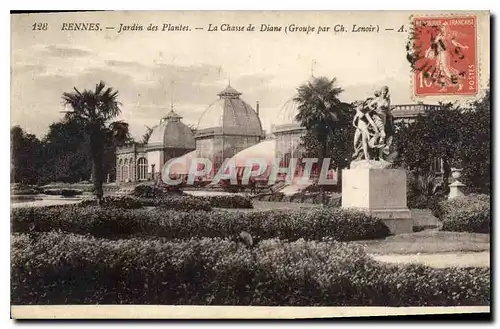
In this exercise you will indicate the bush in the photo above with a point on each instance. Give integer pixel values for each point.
(311, 224)
(22, 189)
(66, 192)
(167, 202)
(154, 191)
(466, 214)
(228, 201)
(120, 202)
(58, 268)
(424, 191)
(180, 203)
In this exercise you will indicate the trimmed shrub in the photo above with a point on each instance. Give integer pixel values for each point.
(154, 191)
(67, 192)
(22, 189)
(311, 224)
(180, 203)
(93, 220)
(470, 213)
(167, 202)
(228, 201)
(58, 268)
(120, 202)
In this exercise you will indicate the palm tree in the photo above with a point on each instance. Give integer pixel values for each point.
(93, 109)
(146, 135)
(320, 112)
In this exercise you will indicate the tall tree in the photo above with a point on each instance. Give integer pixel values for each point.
(26, 156)
(67, 153)
(436, 134)
(322, 114)
(146, 135)
(93, 110)
(474, 150)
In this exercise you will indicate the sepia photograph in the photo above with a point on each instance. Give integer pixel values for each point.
(249, 164)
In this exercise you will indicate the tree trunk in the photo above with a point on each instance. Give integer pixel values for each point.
(96, 144)
(322, 187)
(339, 179)
(446, 174)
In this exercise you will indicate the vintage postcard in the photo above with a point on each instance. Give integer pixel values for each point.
(263, 164)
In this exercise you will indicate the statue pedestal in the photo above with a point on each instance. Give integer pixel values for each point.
(380, 193)
(456, 189)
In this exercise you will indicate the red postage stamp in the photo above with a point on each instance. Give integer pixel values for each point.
(444, 56)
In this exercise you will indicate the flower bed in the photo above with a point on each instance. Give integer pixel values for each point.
(54, 268)
(470, 213)
(311, 224)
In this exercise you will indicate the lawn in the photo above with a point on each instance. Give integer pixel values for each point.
(428, 242)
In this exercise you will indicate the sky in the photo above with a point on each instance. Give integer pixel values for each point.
(152, 68)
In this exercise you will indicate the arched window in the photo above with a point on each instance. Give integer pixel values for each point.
(142, 169)
(125, 177)
(119, 171)
(131, 169)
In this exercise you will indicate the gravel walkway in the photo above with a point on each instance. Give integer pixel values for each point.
(440, 260)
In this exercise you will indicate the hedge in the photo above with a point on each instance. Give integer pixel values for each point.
(228, 201)
(470, 213)
(169, 202)
(311, 223)
(121, 202)
(154, 191)
(67, 192)
(59, 268)
(180, 203)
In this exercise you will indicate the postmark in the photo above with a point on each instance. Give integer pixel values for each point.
(442, 52)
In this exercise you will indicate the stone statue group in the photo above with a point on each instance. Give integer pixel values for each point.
(374, 125)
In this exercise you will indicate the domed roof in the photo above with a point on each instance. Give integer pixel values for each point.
(171, 133)
(285, 120)
(229, 115)
(288, 112)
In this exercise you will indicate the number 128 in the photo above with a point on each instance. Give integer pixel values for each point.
(40, 26)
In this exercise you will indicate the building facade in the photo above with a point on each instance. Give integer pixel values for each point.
(142, 162)
(228, 126)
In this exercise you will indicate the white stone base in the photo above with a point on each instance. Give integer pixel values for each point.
(397, 220)
(456, 190)
(380, 193)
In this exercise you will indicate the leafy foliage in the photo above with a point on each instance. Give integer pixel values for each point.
(26, 156)
(470, 213)
(168, 221)
(92, 110)
(433, 135)
(228, 201)
(224, 272)
(155, 191)
(459, 135)
(474, 150)
(63, 155)
(326, 119)
(146, 135)
(122, 202)
(424, 191)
